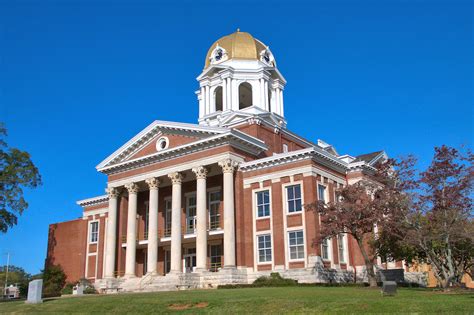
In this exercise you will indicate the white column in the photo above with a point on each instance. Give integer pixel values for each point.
(281, 103)
(111, 233)
(265, 95)
(208, 101)
(176, 180)
(201, 218)
(277, 101)
(152, 249)
(228, 167)
(202, 105)
(262, 94)
(224, 95)
(229, 94)
(131, 230)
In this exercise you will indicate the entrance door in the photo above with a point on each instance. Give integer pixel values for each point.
(189, 259)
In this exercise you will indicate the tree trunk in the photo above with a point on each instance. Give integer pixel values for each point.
(369, 266)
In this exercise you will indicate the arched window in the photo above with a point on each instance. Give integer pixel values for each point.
(245, 95)
(218, 98)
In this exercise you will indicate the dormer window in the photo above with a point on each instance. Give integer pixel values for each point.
(219, 54)
(266, 56)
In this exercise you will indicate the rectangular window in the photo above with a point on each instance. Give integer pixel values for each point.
(263, 203)
(285, 148)
(325, 249)
(296, 244)
(190, 214)
(167, 218)
(264, 248)
(340, 246)
(94, 232)
(216, 257)
(322, 193)
(214, 205)
(293, 194)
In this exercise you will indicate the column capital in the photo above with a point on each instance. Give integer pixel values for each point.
(153, 183)
(176, 178)
(200, 171)
(228, 165)
(132, 188)
(112, 192)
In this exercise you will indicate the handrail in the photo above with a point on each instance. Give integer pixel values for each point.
(214, 267)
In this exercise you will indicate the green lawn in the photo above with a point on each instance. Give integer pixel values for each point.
(258, 300)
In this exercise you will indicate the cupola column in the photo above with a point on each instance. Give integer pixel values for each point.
(229, 94)
(228, 168)
(208, 101)
(265, 95)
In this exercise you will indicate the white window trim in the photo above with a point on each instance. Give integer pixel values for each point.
(146, 221)
(255, 208)
(344, 261)
(329, 258)
(285, 197)
(263, 233)
(326, 192)
(208, 205)
(187, 196)
(288, 231)
(269, 231)
(89, 231)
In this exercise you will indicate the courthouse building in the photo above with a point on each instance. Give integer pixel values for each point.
(220, 201)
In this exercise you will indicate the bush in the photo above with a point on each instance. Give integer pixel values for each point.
(54, 280)
(67, 288)
(88, 287)
(274, 280)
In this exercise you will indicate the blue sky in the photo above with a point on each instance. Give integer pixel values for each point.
(80, 78)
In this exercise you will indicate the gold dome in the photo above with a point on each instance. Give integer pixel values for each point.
(238, 45)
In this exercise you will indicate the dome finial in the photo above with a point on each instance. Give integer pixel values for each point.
(238, 29)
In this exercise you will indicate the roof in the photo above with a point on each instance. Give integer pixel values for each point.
(368, 157)
(238, 45)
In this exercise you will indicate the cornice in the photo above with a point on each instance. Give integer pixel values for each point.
(313, 153)
(93, 201)
(234, 138)
(153, 130)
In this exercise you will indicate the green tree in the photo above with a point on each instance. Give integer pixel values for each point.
(16, 275)
(54, 280)
(17, 171)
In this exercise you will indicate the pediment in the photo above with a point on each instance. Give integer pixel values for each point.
(145, 142)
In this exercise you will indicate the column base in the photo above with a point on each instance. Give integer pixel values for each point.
(129, 276)
(200, 270)
(229, 267)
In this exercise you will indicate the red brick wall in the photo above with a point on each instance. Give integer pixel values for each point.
(67, 247)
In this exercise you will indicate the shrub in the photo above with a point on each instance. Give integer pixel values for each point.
(54, 280)
(275, 279)
(67, 288)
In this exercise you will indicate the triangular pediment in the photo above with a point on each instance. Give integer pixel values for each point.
(149, 140)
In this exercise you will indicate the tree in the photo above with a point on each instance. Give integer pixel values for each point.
(439, 225)
(17, 171)
(375, 202)
(54, 280)
(16, 275)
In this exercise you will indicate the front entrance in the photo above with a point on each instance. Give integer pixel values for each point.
(189, 260)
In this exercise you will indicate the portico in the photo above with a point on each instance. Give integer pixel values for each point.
(203, 226)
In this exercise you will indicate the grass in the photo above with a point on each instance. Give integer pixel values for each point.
(258, 301)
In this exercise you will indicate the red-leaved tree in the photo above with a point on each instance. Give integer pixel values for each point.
(439, 226)
(375, 202)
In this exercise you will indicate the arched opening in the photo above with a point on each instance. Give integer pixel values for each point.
(269, 106)
(245, 95)
(218, 98)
